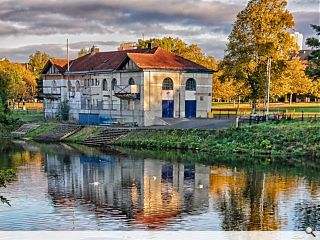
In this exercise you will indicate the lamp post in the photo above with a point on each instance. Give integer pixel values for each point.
(268, 87)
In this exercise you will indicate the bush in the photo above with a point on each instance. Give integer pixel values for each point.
(63, 112)
(5, 177)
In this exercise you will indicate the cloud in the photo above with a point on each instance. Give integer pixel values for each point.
(134, 16)
(190, 20)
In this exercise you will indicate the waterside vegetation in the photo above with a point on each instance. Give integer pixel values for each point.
(289, 138)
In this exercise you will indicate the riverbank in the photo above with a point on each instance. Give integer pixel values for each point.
(267, 139)
(287, 138)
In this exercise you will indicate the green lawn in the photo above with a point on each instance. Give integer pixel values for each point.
(245, 108)
(27, 116)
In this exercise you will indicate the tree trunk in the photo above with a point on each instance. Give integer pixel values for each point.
(291, 98)
(238, 108)
(254, 106)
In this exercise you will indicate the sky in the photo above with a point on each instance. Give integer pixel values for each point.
(30, 25)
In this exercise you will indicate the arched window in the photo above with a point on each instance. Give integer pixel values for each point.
(54, 86)
(104, 85)
(78, 86)
(113, 84)
(167, 84)
(69, 85)
(131, 81)
(191, 85)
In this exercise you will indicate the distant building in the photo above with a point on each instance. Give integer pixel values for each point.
(127, 46)
(298, 38)
(139, 86)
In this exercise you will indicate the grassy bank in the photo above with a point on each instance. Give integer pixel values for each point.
(84, 134)
(43, 128)
(296, 139)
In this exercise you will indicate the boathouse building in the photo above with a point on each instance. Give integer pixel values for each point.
(131, 87)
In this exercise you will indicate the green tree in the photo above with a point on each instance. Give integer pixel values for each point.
(313, 70)
(83, 51)
(191, 52)
(259, 33)
(37, 62)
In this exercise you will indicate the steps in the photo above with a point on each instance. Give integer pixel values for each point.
(24, 129)
(59, 133)
(106, 136)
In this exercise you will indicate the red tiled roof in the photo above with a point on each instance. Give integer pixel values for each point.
(103, 60)
(163, 59)
(59, 63)
(156, 58)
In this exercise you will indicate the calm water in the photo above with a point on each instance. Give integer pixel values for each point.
(59, 187)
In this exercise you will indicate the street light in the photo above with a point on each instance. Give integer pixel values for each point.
(268, 87)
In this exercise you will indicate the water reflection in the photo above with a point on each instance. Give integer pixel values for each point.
(144, 191)
(90, 190)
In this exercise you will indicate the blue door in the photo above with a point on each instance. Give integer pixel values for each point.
(167, 108)
(191, 108)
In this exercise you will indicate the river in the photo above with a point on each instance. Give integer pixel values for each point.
(63, 187)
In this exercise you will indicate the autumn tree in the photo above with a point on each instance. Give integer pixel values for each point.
(16, 82)
(292, 80)
(224, 88)
(259, 33)
(83, 51)
(191, 52)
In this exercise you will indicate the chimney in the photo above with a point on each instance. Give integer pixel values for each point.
(94, 50)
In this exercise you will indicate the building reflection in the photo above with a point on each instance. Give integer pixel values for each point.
(154, 194)
(141, 191)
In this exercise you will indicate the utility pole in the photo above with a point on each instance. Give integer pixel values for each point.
(268, 87)
(68, 54)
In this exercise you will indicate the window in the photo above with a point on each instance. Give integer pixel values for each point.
(104, 85)
(54, 86)
(113, 84)
(92, 82)
(69, 85)
(131, 81)
(78, 86)
(191, 85)
(167, 84)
